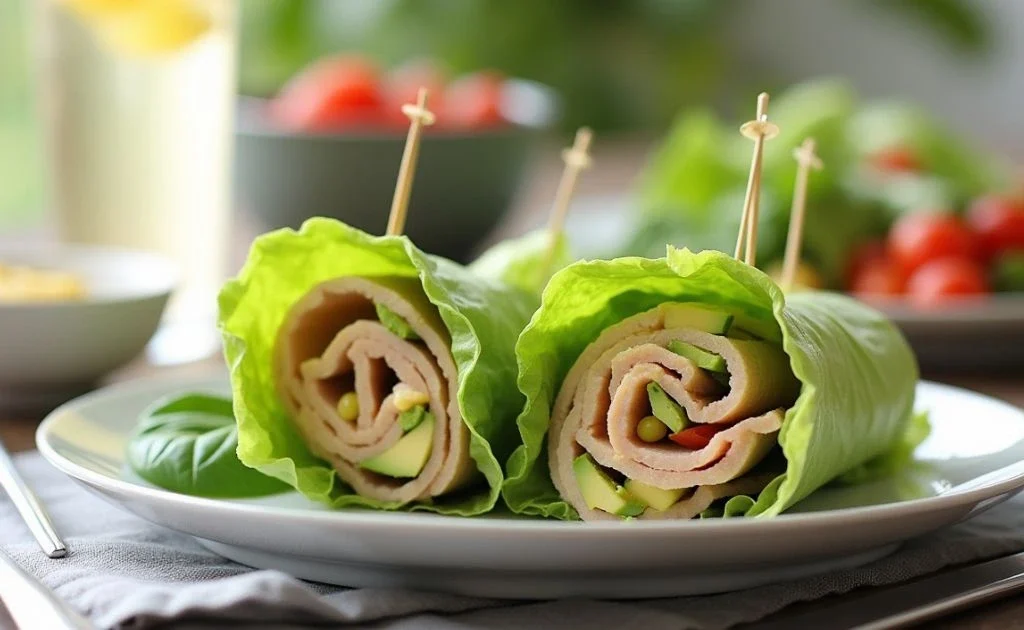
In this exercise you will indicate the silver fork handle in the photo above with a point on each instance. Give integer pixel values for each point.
(31, 604)
(31, 510)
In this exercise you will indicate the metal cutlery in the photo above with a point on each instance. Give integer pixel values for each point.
(914, 602)
(31, 604)
(31, 510)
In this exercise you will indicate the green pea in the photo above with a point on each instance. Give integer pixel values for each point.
(348, 407)
(650, 429)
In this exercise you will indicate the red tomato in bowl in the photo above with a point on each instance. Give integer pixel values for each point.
(474, 101)
(999, 223)
(916, 239)
(879, 277)
(939, 280)
(341, 92)
(864, 255)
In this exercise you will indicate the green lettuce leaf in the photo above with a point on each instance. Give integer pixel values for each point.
(894, 460)
(483, 318)
(525, 262)
(966, 170)
(690, 185)
(689, 170)
(858, 372)
(818, 109)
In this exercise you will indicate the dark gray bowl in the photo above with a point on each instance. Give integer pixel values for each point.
(464, 182)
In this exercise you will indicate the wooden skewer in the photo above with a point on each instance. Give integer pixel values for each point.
(419, 117)
(759, 130)
(576, 159)
(806, 160)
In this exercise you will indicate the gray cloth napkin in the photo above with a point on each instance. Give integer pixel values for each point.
(125, 572)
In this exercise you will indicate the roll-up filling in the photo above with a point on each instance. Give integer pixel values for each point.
(365, 368)
(667, 412)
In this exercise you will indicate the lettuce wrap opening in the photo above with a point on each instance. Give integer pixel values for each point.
(483, 318)
(857, 372)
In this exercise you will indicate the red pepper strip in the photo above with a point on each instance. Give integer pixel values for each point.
(697, 437)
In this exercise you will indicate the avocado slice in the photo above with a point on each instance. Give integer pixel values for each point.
(600, 492)
(408, 456)
(656, 498)
(704, 359)
(758, 328)
(738, 333)
(705, 319)
(671, 413)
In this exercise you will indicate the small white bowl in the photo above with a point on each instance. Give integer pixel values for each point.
(50, 351)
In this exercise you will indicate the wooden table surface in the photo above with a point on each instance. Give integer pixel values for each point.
(616, 163)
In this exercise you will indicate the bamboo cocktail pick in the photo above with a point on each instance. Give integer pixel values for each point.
(757, 130)
(806, 160)
(419, 117)
(576, 159)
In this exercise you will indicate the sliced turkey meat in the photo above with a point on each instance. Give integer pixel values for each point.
(334, 344)
(605, 396)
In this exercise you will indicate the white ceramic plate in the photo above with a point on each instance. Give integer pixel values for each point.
(958, 473)
(985, 335)
(52, 351)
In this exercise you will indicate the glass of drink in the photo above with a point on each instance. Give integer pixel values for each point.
(137, 102)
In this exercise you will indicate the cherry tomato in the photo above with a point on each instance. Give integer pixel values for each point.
(916, 239)
(878, 278)
(863, 255)
(336, 92)
(403, 85)
(999, 224)
(895, 159)
(474, 101)
(938, 280)
(696, 437)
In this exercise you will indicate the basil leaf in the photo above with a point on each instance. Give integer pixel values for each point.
(186, 443)
(395, 322)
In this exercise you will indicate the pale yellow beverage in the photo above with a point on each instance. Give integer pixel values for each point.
(138, 103)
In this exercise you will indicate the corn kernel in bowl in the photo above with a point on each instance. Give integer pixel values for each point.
(20, 284)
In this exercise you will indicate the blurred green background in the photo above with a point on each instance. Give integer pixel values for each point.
(619, 65)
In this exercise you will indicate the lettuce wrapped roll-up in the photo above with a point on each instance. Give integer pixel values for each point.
(673, 387)
(367, 373)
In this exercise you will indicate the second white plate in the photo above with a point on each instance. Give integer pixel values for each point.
(958, 473)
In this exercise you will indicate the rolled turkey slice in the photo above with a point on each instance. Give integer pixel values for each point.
(605, 397)
(333, 343)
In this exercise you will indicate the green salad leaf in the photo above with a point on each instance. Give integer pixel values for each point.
(858, 372)
(966, 171)
(483, 317)
(689, 170)
(186, 443)
(690, 192)
(898, 458)
(524, 262)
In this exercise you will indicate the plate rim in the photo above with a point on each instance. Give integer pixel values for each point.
(1011, 479)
